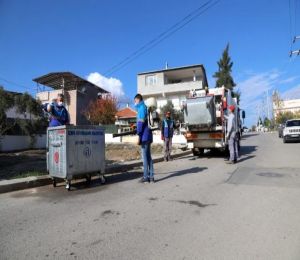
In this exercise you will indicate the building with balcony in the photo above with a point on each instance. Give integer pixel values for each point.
(172, 84)
(78, 93)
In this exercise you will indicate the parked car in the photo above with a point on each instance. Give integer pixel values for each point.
(280, 130)
(245, 129)
(291, 131)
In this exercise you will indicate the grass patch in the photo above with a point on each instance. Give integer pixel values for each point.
(28, 174)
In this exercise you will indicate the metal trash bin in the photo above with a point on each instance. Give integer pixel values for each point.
(75, 151)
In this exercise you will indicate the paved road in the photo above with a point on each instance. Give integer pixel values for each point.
(200, 208)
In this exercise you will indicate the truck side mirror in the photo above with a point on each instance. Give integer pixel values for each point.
(243, 114)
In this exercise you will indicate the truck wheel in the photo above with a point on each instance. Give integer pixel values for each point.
(102, 179)
(68, 185)
(198, 152)
(88, 179)
(195, 152)
(226, 151)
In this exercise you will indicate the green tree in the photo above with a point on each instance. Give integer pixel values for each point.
(282, 117)
(177, 115)
(6, 102)
(223, 75)
(259, 122)
(267, 122)
(25, 105)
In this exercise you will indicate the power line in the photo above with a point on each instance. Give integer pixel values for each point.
(155, 39)
(290, 16)
(14, 83)
(295, 17)
(156, 43)
(164, 35)
(294, 52)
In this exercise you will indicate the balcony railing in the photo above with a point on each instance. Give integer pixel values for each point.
(170, 88)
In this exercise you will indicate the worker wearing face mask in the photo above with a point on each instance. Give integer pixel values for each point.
(57, 111)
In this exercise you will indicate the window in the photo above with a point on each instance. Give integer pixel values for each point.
(151, 80)
(293, 123)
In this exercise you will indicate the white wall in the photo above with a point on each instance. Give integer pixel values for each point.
(177, 139)
(10, 143)
(17, 142)
(109, 139)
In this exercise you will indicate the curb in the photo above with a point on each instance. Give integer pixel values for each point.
(33, 182)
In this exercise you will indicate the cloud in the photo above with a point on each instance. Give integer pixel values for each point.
(253, 91)
(113, 85)
(288, 80)
(256, 85)
(292, 93)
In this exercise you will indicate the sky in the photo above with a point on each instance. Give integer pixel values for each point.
(88, 37)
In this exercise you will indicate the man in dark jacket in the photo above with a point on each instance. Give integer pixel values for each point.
(167, 132)
(145, 138)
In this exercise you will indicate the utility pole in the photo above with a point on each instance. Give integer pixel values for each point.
(268, 104)
(296, 52)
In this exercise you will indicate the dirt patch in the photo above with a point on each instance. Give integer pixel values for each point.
(128, 152)
(13, 165)
(33, 162)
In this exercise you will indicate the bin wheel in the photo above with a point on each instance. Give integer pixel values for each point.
(102, 179)
(88, 179)
(54, 183)
(68, 185)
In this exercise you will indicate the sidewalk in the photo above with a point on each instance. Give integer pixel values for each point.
(32, 182)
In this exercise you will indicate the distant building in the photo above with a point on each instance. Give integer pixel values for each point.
(281, 106)
(125, 117)
(78, 93)
(172, 84)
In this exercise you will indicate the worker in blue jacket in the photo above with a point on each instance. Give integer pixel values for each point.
(145, 138)
(167, 132)
(58, 114)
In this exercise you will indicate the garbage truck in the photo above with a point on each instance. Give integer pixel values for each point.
(205, 114)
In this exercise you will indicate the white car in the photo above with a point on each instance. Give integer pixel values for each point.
(291, 131)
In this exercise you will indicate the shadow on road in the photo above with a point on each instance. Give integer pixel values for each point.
(182, 172)
(127, 176)
(111, 179)
(244, 136)
(248, 149)
(81, 184)
(246, 158)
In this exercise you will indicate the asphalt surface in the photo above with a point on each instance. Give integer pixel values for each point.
(199, 208)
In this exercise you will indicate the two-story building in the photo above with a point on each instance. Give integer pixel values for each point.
(78, 93)
(172, 84)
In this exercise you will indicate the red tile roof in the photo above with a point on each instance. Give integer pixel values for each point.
(126, 112)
